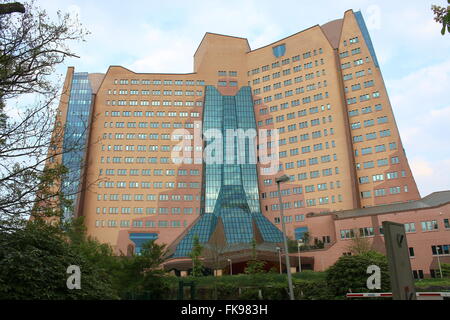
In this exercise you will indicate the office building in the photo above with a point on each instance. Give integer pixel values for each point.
(318, 96)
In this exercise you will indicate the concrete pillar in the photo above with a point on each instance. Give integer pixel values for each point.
(218, 272)
(293, 269)
(183, 273)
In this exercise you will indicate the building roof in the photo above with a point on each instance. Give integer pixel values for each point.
(433, 200)
(212, 34)
(333, 31)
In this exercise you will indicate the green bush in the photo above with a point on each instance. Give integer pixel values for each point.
(33, 264)
(138, 276)
(350, 272)
(273, 286)
(313, 290)
(227, 291)
(445, 270)
(275, 292)
(249, 294)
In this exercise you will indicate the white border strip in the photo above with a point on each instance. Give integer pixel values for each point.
(389, 294)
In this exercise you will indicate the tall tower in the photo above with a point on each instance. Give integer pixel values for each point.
(321, 90)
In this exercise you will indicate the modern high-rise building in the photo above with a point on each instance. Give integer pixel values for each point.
(141, 172)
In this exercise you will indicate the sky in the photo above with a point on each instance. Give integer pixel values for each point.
(162, 36)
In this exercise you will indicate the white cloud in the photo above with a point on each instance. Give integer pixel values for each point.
(422, 110)
(421, 168)
(427, 86)
(443, 113)
(74, 11)
(431, 175)
(410, 134)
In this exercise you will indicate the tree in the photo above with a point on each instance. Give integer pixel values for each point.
(292, 245)
(254, 265)
(140, 274)
(215, 249)
(350, 272)
(359, 245)
(31, 46)
(34, 261)
(305, 238)
(197, 265)
(442, 15)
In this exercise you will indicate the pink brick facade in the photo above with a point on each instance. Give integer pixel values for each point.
(420, 240)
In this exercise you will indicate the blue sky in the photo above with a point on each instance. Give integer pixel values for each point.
(162, 36)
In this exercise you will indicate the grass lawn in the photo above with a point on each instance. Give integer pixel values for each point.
(425, 283)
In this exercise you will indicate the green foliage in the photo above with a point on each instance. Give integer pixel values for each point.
(197, 268)
(359, 245)
(442, 15)
(254, 265)
(312, 290)
(445, 270)
(227, 290)
(33, 264)
(293, 244)
(34, 260)
(305, 238)
(249, 294)
(430, 283)
(350, 272)
(273, 270)
(275, 292)
(274, 286)
(140, 275)
(99, 254)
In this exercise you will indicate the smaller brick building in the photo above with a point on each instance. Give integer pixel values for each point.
(427, 224)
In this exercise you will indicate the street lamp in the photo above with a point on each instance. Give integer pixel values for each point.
(279, 257)
(231, 267)
(439, 261)
(279, 180)
(299, 244)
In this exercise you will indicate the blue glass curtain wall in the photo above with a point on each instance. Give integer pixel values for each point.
(366, 35)
(75, 134)
(230, 188)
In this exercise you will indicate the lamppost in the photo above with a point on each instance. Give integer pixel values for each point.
(439, 261)
(299, 244)
(231, 267)
(279, 180)
(279, 257)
